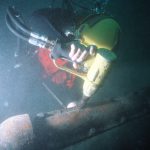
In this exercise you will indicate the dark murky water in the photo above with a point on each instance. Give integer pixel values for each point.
(22, 76)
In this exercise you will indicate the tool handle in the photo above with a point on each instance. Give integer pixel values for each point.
(60, 51)
(63, 50)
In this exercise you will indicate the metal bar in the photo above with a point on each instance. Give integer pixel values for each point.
(62, 128)
(52, 93)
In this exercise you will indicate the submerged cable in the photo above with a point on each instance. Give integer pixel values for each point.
(16, 21)
(14, 31)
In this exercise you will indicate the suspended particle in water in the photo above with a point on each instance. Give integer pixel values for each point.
(17, 65)
(6, 104)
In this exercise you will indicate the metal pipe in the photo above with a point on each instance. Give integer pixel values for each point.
(62, 128)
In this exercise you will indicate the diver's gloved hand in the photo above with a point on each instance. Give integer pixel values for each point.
(77, 55)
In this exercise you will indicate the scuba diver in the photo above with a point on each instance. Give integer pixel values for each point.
(57, 24)
(86, 42)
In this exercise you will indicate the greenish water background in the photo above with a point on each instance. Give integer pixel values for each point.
(21, 90)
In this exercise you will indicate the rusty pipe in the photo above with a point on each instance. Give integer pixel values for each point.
(62, 128)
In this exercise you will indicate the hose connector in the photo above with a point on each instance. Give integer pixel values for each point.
(37, 42)
(38, 36)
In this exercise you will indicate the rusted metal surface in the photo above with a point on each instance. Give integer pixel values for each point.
(59, 129)
(15, 131)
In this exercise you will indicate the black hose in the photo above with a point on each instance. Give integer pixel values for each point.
(80, 6)
(14, 31)
(16, 21)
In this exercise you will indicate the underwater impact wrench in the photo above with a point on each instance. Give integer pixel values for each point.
(96, 31)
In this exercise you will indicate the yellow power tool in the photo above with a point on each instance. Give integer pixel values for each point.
(103, 33)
